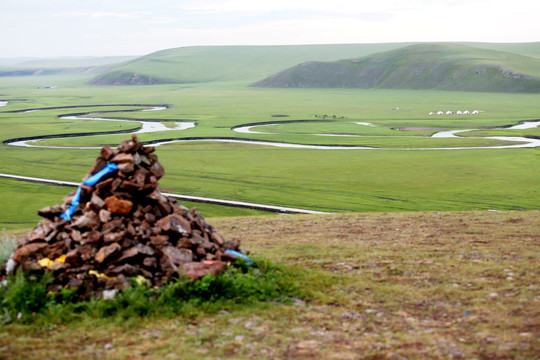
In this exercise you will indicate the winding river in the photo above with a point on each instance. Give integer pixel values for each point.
(157, 126)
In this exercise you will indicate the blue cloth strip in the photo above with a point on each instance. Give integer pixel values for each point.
(239, 255)
(91, 181)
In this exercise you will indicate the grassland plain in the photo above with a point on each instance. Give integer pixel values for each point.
(336, 180)
(432, 285)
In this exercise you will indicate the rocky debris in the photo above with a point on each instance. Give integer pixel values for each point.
(122, 227)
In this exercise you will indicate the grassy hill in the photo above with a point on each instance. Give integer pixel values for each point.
(248, 64)
(198, 64)
(420, 66)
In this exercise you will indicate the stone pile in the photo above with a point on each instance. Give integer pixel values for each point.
(122, 227)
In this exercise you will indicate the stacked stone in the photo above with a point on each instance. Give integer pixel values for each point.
(122, 227)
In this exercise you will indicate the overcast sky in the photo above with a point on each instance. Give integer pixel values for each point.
(52, 28)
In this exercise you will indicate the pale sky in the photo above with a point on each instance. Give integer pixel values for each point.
(53, 28)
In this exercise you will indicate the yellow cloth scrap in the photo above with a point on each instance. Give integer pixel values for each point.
(46, 262)
(98, 274)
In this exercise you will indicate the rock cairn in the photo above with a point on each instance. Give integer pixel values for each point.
(122, 227)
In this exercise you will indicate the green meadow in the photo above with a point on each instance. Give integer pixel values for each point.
(403, 172)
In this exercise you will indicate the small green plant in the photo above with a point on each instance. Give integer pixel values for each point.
(26, 297)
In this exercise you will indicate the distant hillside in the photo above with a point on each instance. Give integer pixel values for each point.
(422, 66)
(529, 48)
(64, 65)
(65, 62)
(196, 64)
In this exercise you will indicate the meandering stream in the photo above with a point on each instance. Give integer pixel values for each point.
(526, 142)
(155, 126)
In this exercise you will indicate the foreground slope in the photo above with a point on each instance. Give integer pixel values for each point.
(460, 285)
(421, 66)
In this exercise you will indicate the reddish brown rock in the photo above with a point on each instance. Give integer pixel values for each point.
(106, 252)
(174, 223)
(76, 235)
(107, 153)
(118, 206)
(125, 269)
(89, 220)
(86, 252)
(159, 240)
(127, 167)
(122, 158)
(113, 236)
(104, 216)
(217, 238)
(157, 170)
(54, 250)
(96, 203)
(37, 235)
(98, 166)
(128, 254)
(73, 257)
(150, 262)
(27, 250)
(196, 270)
(177, 256)
(50, 212)
(57, 265)
(91, 236)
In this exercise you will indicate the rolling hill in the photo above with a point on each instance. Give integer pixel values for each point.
(449, 66)
(421, 66)
(198, 64)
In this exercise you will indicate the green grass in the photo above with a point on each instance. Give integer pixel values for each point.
(22, 200)
(324, 180)
(360, 180)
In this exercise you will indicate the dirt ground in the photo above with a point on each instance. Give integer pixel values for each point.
(442, 285)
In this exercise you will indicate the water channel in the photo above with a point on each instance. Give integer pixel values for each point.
(155, 126)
